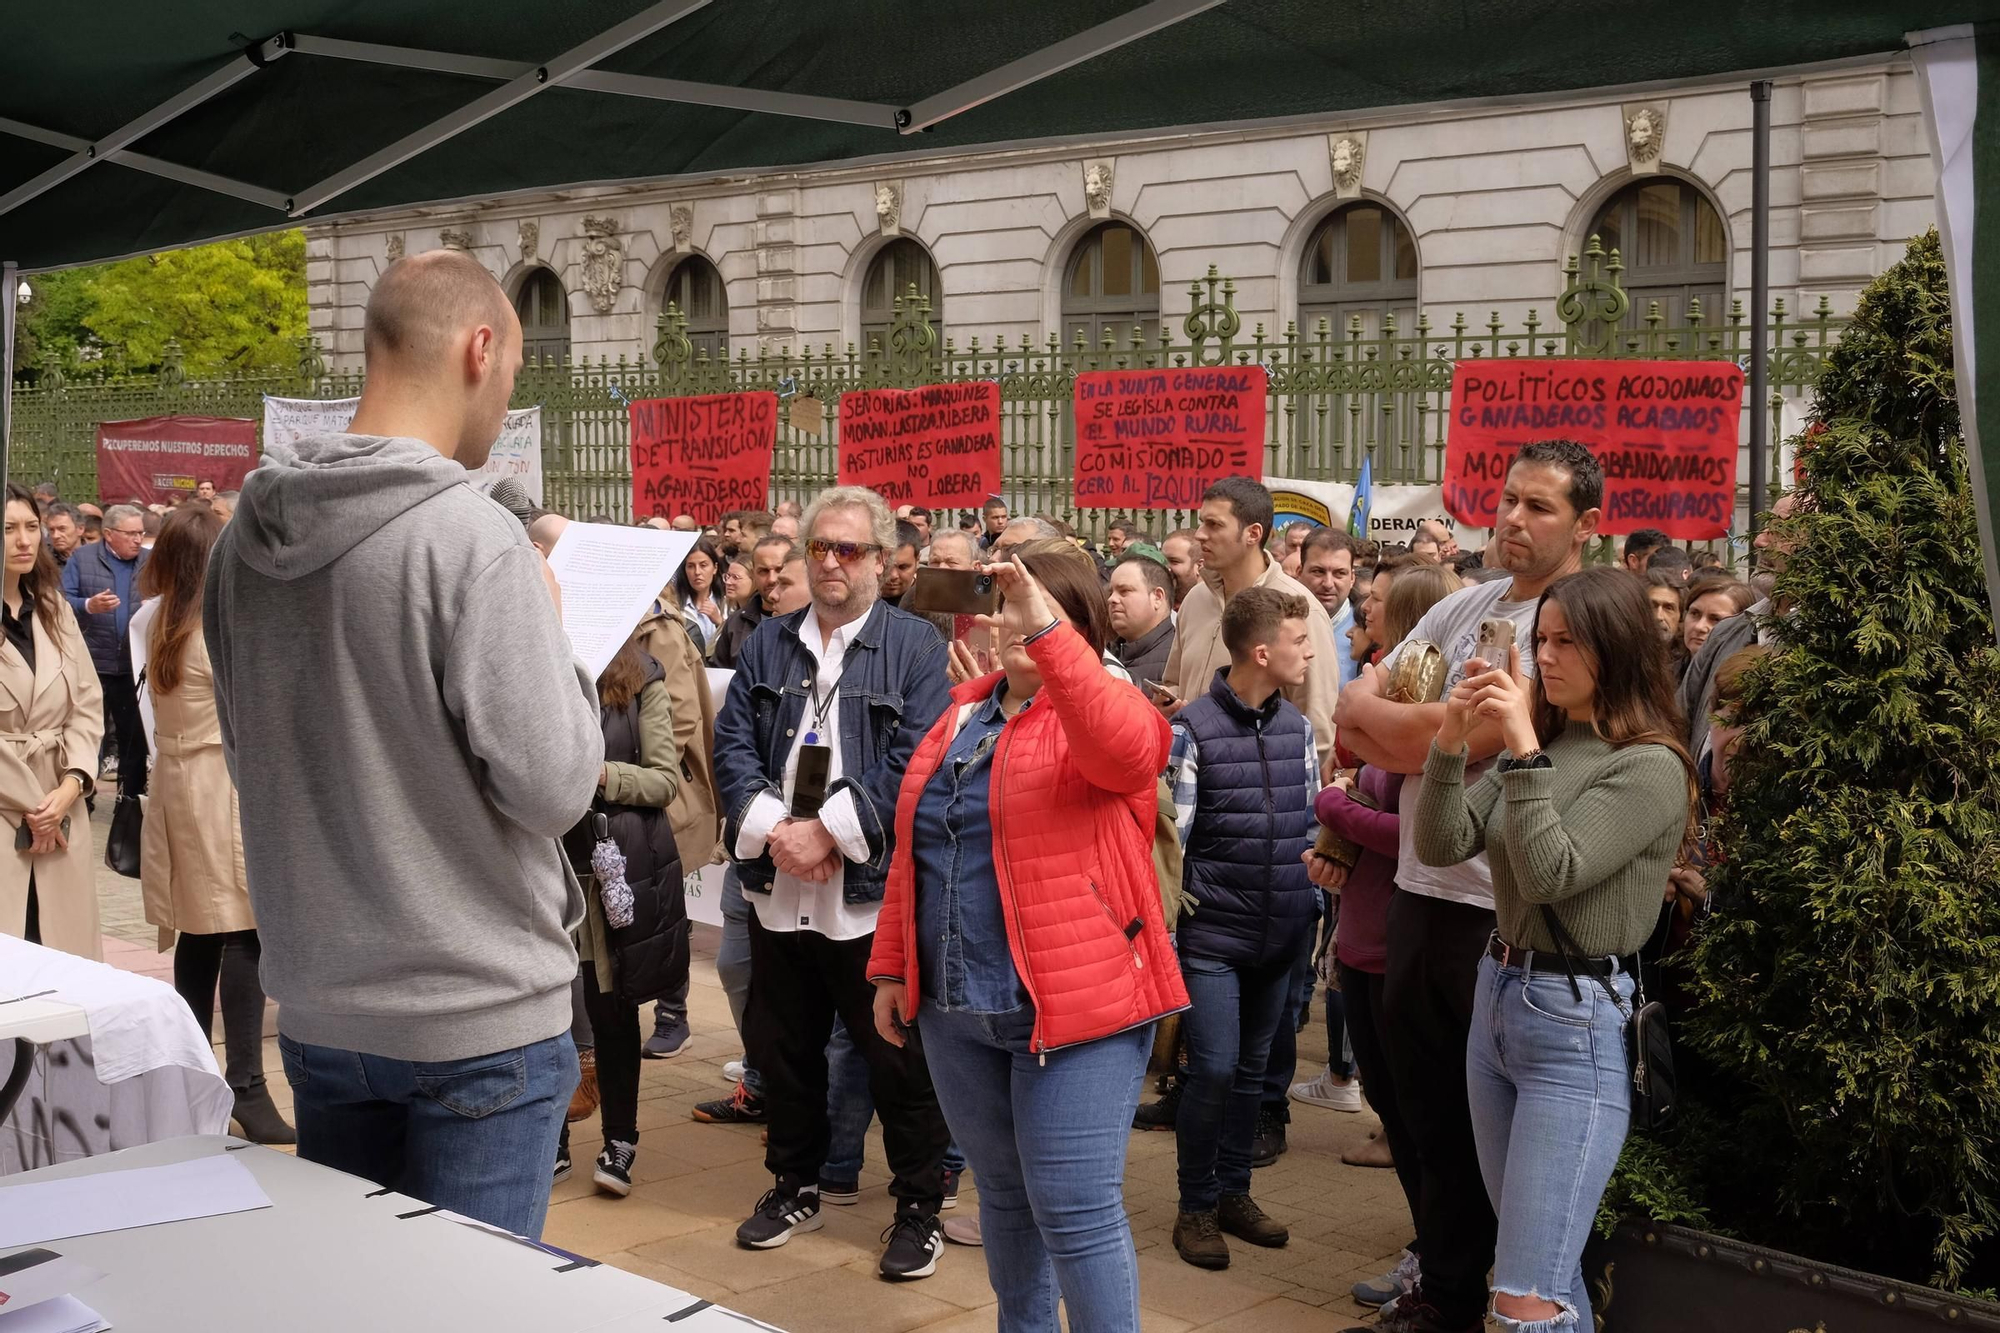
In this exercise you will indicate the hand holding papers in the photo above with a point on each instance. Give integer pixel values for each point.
(610, 577)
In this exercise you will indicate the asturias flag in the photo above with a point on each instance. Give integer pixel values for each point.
(1364, 494)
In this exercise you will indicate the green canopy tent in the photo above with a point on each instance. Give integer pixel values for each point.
(129, 126)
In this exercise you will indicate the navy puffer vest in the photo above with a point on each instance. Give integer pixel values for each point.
(1253, 822)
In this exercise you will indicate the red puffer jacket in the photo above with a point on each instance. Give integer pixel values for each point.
(1073, 803)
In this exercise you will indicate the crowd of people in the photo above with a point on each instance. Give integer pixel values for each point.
(980, 874)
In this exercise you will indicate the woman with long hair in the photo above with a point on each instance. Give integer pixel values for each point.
(1582, 817)
(1362, 809)
(191, 861)
(1022, 932)
(697, 587)
(1712, 599)
(625, 966)
(51, 723)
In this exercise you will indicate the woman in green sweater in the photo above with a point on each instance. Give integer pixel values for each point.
(1582, 816)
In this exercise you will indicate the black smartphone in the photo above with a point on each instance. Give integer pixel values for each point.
(24, 837)
(809, 785)
(954, 592)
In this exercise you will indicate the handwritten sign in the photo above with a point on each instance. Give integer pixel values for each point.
(517, 451)
(702, 456)
(937, 446)
(1157, 439)
(1665, 433)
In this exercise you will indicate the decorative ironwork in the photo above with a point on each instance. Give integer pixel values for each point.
(172, 374)
(912, 338)
(1212, 319)
(1594, 296)
(312, 365)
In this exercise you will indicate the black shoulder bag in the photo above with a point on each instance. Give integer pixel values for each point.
(1649, 1047)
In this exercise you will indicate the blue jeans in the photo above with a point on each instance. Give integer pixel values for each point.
(1045, 1136)
(732, 965)
(850, 1108)
(1551, 1101)
(476, 1136)
(1236, 1013)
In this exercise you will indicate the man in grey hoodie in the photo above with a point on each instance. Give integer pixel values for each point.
(410, 733)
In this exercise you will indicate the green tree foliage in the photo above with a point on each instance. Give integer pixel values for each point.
(1849, 981)
(234, 307)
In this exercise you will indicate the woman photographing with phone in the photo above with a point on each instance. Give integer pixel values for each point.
(1021, 933)
(1582, 817)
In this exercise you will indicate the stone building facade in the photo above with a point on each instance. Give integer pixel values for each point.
(1443, 211)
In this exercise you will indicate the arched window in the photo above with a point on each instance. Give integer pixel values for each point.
(1112, 283)
(896, 267)
(695, 289)
(1361, 261)
(544, 310)
(1675, 247)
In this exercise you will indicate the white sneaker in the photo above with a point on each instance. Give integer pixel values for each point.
(732, 1072)
(1326, 1091)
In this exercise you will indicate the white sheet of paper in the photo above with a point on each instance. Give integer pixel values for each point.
(49, 1210)
(63, 1314)
(37, 1275)
(610, 577)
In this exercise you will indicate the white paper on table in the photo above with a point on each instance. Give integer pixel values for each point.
(48, 1210)
(610, 577)
(61, 1314)
(33, 1276)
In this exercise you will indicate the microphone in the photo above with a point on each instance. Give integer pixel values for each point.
(512, 496)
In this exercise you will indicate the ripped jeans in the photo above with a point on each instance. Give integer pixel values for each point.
(1551, 1101)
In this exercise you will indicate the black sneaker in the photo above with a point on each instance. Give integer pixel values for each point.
(669, 1038)
(1269, 1145)
(782, 1211)
(1160, 1114)
(741, 1107)
(842, 1192)
(950, 1190)
(914, 1244)
(563, 1165)
(614, 1168)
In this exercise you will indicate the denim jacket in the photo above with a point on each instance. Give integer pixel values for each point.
(892, 690)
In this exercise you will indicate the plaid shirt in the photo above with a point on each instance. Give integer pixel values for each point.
(1184, 765)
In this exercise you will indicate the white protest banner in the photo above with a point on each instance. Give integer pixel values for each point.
(610, 577)
(1393, 513)
(516, 453)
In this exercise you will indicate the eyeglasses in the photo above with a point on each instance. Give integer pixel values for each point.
(845, 552)
(126, 532)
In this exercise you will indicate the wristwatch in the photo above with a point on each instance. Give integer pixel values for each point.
(1532, 759)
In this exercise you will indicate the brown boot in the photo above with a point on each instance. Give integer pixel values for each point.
(1240, 1216)
(1375, 1152)
(583, 1102)
(1198, 1238)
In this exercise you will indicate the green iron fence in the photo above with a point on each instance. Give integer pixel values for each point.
(1335, 396)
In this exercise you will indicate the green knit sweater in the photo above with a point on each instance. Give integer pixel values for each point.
(1594, 836)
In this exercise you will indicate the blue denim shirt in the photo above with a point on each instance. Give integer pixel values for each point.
(962, 953)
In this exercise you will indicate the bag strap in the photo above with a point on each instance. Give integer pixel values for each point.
(1570, 953)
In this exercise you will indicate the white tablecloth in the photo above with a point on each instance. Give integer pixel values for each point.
(143, 1074)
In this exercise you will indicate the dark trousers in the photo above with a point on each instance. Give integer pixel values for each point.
(1234, 1011)
(121, 710)
(799, 980)
(1284, 1058)
(1368, 1031)
(615, 1026)
(199, 960)
(1434, 950)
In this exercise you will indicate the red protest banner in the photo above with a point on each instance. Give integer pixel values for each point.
(702, 456)
(937, 446)
(1664, 431)
(1156, 439)
(158, 459)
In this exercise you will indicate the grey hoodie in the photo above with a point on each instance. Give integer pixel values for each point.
(402, 714)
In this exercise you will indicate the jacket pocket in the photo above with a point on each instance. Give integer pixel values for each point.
(1127, 931)
(885, 715)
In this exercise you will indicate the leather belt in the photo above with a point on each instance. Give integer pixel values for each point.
(1542, 960)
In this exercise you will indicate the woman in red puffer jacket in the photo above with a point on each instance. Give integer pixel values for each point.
(1021, 934)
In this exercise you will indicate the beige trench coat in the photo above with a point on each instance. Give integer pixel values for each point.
(191, 856)
(51, 720)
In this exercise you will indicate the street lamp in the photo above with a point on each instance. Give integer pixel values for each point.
(24, 293)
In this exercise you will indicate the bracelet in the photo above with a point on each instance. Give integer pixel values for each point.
(1054, 622)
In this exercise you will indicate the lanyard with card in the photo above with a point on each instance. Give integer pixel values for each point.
(815, 766)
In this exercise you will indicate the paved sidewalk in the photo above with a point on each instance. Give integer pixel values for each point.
(697, 1181)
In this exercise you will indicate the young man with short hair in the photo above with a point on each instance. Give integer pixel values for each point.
(920, 518)
(899, 570)
(1639, 546)
(1141, 601)
(1674, 560)
(1327, 570)
(1441, 918)
(1121, 533)
(1244, 773)
(994, 516)
(767, 557)
(1183, 552)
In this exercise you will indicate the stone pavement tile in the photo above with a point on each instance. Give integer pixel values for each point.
(727, 1270)
(1179, 1289)
(960, 1279)
(602, 1224)
(841, 1300)
(1282, 1315)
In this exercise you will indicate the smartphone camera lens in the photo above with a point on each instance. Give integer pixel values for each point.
(983, 585)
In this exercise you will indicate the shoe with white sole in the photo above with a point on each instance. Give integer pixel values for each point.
(1333, 1094)
(913, 1244)
(614, 1168)
(732, 1072)
(963, 1230)
(780, 1213)
(1396, 1282)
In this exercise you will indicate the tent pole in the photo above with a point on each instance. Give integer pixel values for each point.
(10, 280)
(1760, 298)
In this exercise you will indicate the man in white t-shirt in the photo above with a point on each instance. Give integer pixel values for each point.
(1440, 918)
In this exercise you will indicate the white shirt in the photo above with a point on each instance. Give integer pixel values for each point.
(795, 904)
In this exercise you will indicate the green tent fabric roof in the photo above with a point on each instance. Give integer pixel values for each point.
(82, 70)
